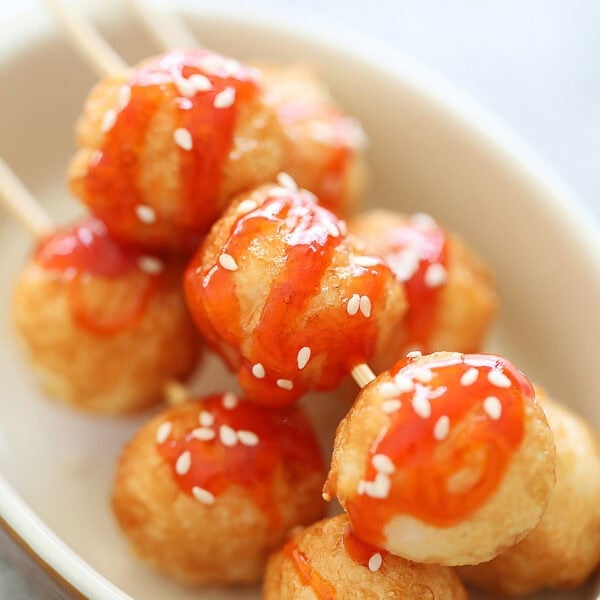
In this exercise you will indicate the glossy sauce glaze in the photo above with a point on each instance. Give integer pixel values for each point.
(415, 249)
(337, 136)
(322, 589)
(448, 443)
(190, 80)
(237, 443)
(86, 252)
(361, 552)
(289, 321)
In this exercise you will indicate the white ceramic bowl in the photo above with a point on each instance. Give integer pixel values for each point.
(431, 149)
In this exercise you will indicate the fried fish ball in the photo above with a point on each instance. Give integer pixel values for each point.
(164, 147)
(290, 300)
(325, 146)
(328, 561)
(445, 459)
(208, 489)
(450, 293)
(564, 549)
(96, 316)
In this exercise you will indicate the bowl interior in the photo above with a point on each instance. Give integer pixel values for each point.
(423, 156)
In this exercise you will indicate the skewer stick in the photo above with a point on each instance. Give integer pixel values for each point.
(362, 374)
(87, 39)
(19, 200)
(168, 30)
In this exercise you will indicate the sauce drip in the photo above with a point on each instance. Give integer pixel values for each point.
(85, 251)
(288, 322)
(442, 473)
(360, 552)
(279, 439)
(428, 243)
(322, 589)
(113, 187)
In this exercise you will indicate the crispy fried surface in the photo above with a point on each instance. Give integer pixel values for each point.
(564, 549)
(195, 544)
(263, 260)
(509, 514)
(109, 373)
(466, 304)
(316, 130)
(323, 546)
(256, 156)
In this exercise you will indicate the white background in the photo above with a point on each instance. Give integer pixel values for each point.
(536, 64)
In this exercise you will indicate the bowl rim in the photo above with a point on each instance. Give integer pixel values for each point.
(16, 517)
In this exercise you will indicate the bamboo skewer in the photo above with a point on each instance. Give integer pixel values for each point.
(168, 30)
(21, 203)
(87, 39)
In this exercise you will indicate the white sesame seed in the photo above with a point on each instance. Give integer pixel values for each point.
(404, 263)
(383, 464)
(145, 213)
(375, 562)
(227, 435)
(366, 261)
(150, 265)
(391, 406)
(203, 495)
(258, 371)
(203, 433)
(285, 384)
(388, 390)
(435, 275)
(246, 206)
(365, 306)
(200, 82)
(108, 120)
(192, 85)
(332, 230)
(163, 432)
(441, 428)
(287, 181)
(361, 487)
(379, 487)
(404, 383)
(469, 377)
(353, 305)
(422, 374)
(183, 138)
(184, 463)
(248, 438)
(206, 419)
(420, 403)
(230, 400)
(439, 391)
(498, 379)
(492, 407)
(342, 226)
(303, 357)
(423, 220)
(228, 262)
(124, 97)
(225, 98)
(414, 354)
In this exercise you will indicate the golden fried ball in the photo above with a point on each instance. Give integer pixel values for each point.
(165, 146)
(95, 319)
(325, 146)
(445, 459)
(450, 293)
(287, 298)
(564, 549)
(208, 489)
(327, 561)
